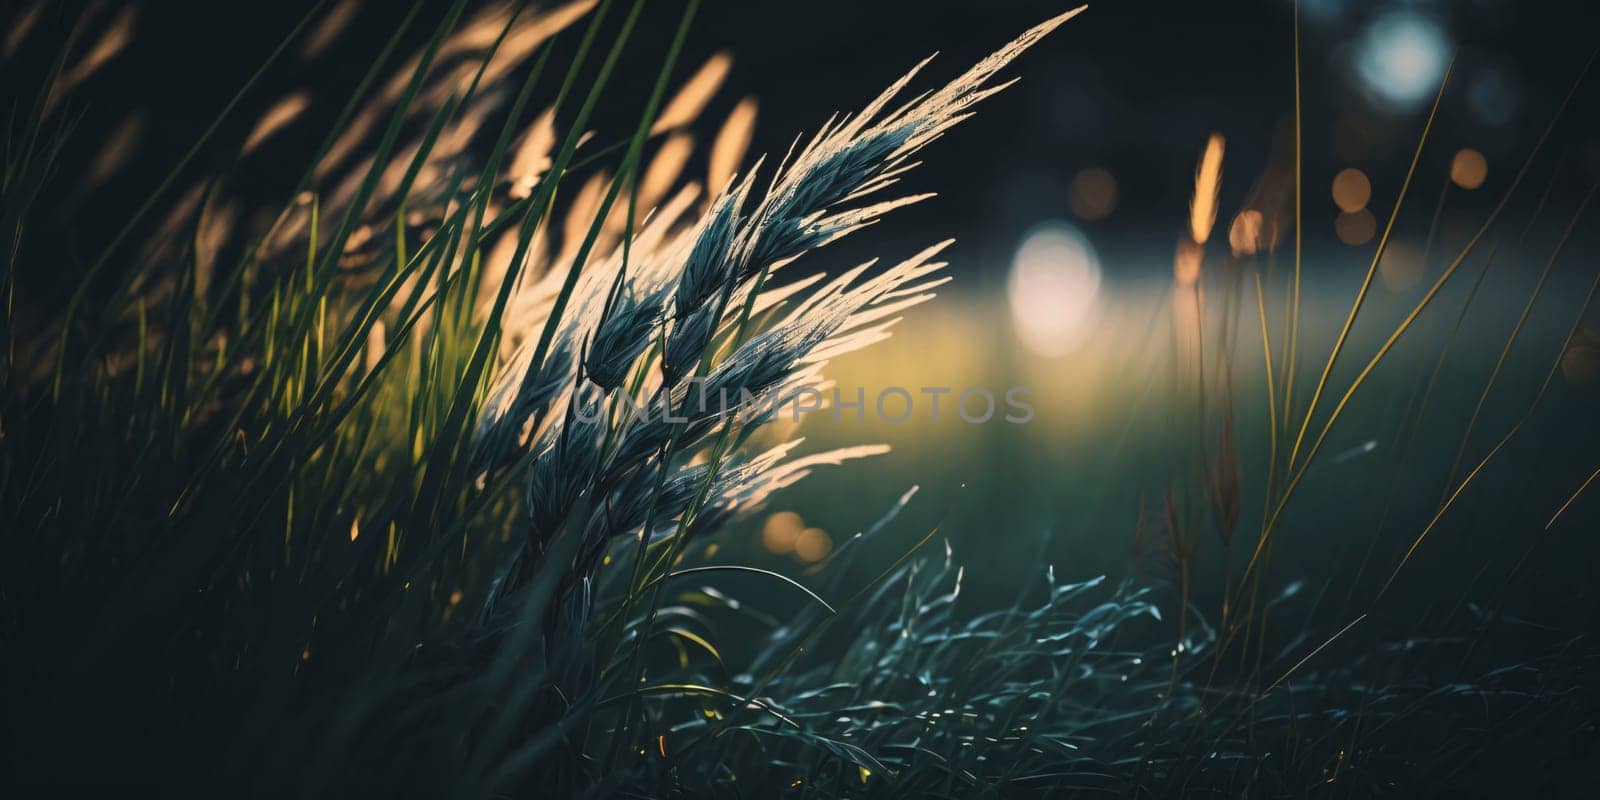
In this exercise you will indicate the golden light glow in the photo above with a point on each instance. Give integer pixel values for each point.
(1244, 235)
(663, 172)
(1207, 183)
(781, 531)
(277, 118)
(1092, 196)
(696, 92)
(580, 214)
(1468, 169)
(728, 149)
(813, 545)
(1351, 190)
(332, 24)
(533, 155)
(1186, 264)
(1357, 228)
(377, 345)
(1054, 289)
(116, 37)
(1188, 313)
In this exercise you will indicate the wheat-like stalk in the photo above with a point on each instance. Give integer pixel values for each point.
(663, 322)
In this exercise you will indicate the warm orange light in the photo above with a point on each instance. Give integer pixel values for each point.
(1351, 190)
(1207, 183)
(664, 170)
(1093, 194)
(696, 92)
(333, 23)
(812, 545)
(1468, 169)
(532, 155)
(377, 346)
(728, 149)
(1244, 236)
(1186, 265)
(781, 531)
(277, 118)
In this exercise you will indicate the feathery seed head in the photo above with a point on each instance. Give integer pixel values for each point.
(565, 468)
(705, 271)
(623, 334)
(687, 341)
(1207, 183)
(789, 222)
(708, 267)
(627, 508)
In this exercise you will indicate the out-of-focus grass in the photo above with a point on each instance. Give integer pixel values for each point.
(1068, 483)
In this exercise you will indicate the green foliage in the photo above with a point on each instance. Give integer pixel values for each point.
(317, 513)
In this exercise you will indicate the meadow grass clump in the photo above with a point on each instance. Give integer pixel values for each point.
(403, 482)
(296, 492)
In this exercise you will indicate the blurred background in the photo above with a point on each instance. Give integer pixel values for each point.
(1068, 196)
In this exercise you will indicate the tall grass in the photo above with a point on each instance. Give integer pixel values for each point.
(349, 494)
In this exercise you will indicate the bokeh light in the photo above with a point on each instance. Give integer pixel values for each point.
(1092, 196)
(1357, 228)
(1244, 235)
(1054, 288)
(1401, 59)
(812, 545)
(1351, 190)
(781, 532)
(1468, 169)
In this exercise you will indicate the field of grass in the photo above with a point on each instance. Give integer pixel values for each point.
(339, 492)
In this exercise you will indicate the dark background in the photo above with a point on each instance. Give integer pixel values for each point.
(1134, 87)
